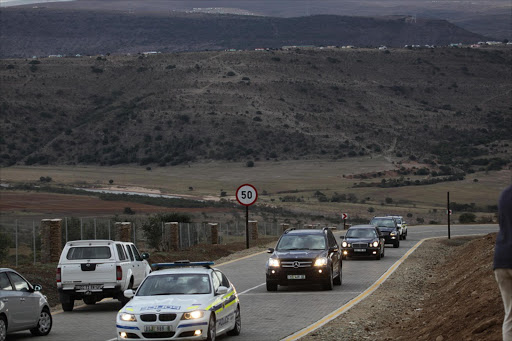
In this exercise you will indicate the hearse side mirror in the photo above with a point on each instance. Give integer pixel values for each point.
(270, 250)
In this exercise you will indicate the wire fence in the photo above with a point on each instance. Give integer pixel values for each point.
(20, 241)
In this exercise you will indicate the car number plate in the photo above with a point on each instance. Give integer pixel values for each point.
(89, 287)
(359, 250)
(156, 329)
(296, 276)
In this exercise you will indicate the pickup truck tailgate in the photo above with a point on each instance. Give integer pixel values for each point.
(83, 272)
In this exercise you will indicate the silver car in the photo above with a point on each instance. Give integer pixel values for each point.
(22, 306)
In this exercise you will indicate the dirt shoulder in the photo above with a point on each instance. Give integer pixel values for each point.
(444, 291)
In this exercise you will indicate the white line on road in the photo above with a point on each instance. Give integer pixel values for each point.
(246, 291)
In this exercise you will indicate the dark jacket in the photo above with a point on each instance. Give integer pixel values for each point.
(503, 251)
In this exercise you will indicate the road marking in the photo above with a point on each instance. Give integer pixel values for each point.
(236, 260)
(363, 295)
(246, 291)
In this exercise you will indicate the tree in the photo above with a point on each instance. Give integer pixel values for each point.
(111, 181)
(250, 164)
(389, 200)
(128, 210)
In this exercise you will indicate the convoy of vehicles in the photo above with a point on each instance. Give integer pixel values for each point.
(363, 240)
(304, 257)
(189, 300)
(22, 306)
(94, 269)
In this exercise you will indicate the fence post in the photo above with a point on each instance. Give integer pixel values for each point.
(188, 230)
(109, 230)
(173, 243)
(81, 230)
(51, 240)
(215, 232)
(34, 239)
(253, 227)
(123, 230)
(95, 229)
(284, 227)
(16, 238)
(66, 220)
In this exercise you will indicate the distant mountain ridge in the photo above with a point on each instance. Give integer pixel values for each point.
(45, 31)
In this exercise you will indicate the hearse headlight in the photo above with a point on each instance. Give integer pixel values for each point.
(273, 262)
(375, 244)
(344, 244)
(322, 261)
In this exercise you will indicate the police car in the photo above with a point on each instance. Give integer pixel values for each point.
(185, 301)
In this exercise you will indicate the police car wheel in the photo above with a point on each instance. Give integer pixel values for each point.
(212, 330)
(405, 237)
(238, 324)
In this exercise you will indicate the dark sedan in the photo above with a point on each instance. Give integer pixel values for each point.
(362, 240)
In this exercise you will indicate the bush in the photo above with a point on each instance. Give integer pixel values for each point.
(466, 218)
(250, 164)
(5, 242)
(45, 179)
(389, 200)
(128, 210)
(153, 227)
(371, 209)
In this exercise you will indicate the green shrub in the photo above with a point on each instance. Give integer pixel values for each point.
(5, 242)
(466, 218)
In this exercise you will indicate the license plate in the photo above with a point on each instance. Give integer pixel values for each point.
(359, 250)
(89, 287)
(296, 276)
(157, 329)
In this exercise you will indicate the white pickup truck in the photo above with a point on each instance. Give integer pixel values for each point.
(94, 269)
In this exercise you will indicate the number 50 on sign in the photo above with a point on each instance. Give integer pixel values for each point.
(246, 195)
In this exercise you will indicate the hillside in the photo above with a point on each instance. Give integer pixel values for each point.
(440, 104)
(490, 18)
(91, 32)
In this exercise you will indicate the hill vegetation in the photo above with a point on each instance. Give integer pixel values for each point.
(444, 106)
(92, 32)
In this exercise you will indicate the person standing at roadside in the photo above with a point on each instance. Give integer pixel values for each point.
(503, 258)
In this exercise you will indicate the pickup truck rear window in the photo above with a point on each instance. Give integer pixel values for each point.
(89, 252)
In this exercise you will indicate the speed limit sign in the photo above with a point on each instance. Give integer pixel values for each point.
(246, 195)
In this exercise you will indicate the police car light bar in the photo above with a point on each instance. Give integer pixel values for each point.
(181, 264)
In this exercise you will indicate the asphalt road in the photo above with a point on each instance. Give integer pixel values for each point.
(265, 315)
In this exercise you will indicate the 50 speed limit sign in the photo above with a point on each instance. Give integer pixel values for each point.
(246, 195)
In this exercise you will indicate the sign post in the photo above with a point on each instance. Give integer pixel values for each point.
(448, 211)
(246, 195)
(344, 216)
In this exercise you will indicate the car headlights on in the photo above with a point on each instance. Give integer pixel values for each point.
(344, 244)
(322, 261)
(393, 233)
(193, 315)
(273, 262)
(127, 317)
(375, 244)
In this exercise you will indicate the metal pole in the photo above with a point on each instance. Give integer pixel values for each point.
(66, 220)
(134, 233)
(34, 239)
(448, 211)
(109, 229)
(94, 228)
(16, 237)
(247, 226)
(188, 228)
(81, 230)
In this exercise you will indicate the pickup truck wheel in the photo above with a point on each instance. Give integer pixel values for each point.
(67, 301)
(122, 298)
(89, 300)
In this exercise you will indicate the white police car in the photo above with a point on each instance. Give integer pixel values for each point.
(187, 301)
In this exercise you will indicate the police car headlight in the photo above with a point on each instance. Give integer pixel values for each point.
(344, 244)
(193, 315)
(321, 261)
(127, 317)
(273, 262)
(375, 244)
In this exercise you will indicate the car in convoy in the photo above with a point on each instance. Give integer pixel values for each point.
(388, 228)
(94, 269)
(184, 301)
(362, 240)
(304, 256)
(402, 226)
(22, 306)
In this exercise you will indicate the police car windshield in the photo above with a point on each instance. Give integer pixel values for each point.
(175, 284)
(301, 242)
(361, 233)
(383, 222)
